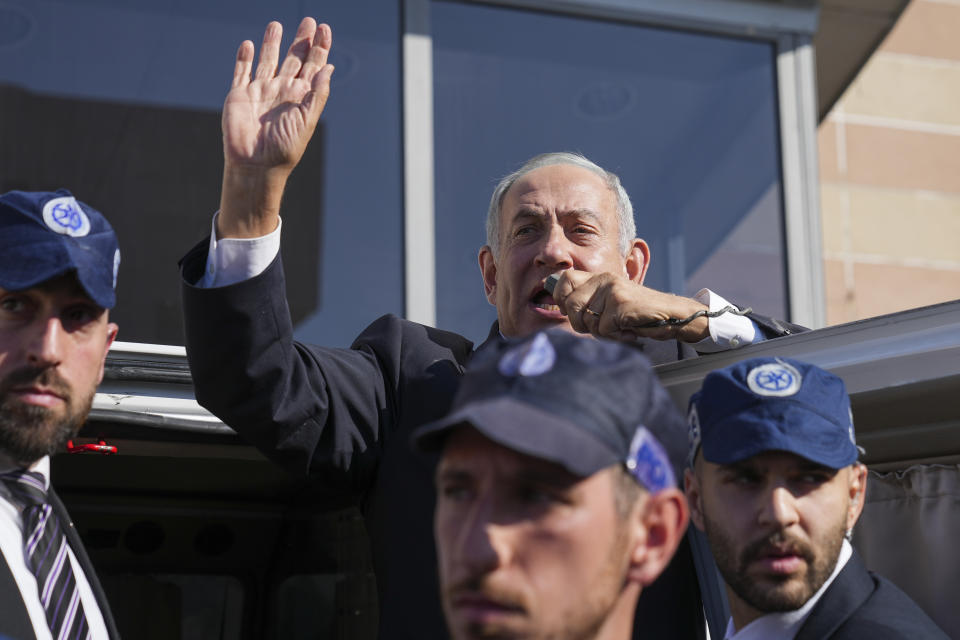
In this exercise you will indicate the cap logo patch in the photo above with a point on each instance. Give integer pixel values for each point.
(116, 267)
(648, 462)
(533, 358)
(63, 215)
(777, 379)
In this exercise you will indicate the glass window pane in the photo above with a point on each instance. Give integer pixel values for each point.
(687, 120)
(119, 102)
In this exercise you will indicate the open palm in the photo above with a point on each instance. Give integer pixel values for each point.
(269, 119)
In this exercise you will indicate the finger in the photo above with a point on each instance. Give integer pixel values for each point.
(324, 41)
(593, 316)
(316, 98)
(319, 52)
(569, 280)
(576, 308)
(565, 287)
(608, 325)
(298, 48)
(585, 303)
(269, 51)
(243, 65)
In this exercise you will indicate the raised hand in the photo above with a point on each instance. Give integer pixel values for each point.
(268, 120)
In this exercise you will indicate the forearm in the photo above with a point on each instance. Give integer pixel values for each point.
(250, 201)
(311, 410)
(680, 307)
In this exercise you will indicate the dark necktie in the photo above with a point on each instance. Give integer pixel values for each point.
(45, 551)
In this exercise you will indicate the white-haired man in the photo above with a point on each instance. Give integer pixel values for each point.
(336, 415)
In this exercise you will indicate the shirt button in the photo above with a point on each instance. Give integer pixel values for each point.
(734, 342)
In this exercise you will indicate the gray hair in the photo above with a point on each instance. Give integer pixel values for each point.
(627, 227)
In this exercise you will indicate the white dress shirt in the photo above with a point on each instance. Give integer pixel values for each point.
(784, 626)
(232, 260)
(11, 547)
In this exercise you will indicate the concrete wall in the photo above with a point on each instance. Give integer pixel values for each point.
(890, 172)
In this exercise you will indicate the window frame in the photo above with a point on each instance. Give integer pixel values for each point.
(789, 29)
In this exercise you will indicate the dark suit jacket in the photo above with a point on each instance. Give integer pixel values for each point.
(343, 418)
(14, 619)
(862, 605)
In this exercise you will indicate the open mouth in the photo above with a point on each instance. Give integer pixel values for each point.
(543, 300)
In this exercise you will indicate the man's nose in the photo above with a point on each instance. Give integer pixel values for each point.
(484, 544)
(779, 508)
(45, 345)
(555, 249)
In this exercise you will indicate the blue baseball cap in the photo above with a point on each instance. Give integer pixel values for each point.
(772, 404)
(584, 404)
(47, 234)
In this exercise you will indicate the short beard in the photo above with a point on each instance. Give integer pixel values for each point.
(582, 623)
(761, 596)
(29, 432)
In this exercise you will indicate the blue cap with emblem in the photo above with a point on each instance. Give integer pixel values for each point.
(584, 404)
(772, 404)
(47, 234)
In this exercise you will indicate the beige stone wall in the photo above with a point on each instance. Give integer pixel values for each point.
(890, 172)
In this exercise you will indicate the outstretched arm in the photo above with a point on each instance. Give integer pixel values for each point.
(268, 120)
(612, 306)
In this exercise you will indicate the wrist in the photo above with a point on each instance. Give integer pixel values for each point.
(250, 201)
(697, 329)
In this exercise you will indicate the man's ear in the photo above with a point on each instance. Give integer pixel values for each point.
(488, 269)
(637, 261)
(858, 492)
(112, 329)
(659, 525)
(691, 486)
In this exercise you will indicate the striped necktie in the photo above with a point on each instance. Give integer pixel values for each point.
(45, 551)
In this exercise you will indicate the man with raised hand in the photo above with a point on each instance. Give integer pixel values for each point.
(557, 502)
(335, 415)
(776, 486)
(58, 275)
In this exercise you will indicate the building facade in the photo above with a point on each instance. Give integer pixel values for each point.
(890, 172)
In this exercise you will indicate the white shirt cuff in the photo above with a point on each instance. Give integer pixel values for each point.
(727, 331)
(232, 260)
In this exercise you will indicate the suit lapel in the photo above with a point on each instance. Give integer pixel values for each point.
(76, 545)
(851, 588)
(14, 620)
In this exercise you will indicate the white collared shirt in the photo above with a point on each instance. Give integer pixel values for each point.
(11, 547)
(784, 626)
(232, 260)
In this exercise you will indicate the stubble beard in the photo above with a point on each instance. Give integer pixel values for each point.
(30, 432)
(581, 623)
(791, 592)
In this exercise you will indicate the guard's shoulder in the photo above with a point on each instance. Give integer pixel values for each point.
(890, 613)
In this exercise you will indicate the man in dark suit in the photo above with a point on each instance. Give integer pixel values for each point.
(58, 269)
(342, 417)
(776, 486)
